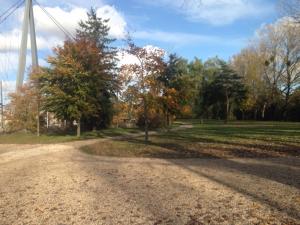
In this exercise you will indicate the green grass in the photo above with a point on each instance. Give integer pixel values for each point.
(29, 138)
(212, 139)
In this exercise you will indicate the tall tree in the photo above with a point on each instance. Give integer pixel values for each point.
(81, 79)
(249, 64)
(289, 53)
(230, 85)
(272, 64)
(173, 95)
(290, 8)
(143, 75)
(22, 112)
(205, 97)
(102, 64)
(227, 88)
(66, 84)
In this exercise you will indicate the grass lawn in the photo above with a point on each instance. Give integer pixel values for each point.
(213, 139)
(29, 138)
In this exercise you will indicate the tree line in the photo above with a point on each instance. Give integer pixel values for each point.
(85, 87)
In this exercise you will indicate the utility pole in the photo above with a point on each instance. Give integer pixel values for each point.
(2, 106)
(28, 26)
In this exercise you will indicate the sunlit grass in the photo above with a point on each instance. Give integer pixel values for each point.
(210, 139)
(29, 138)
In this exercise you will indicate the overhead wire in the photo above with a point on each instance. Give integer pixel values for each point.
(10, 8)
(7, 60)
(5, 15)
(6, 54)
(59, 25)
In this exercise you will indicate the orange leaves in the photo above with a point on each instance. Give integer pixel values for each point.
(22, 110)
(170, 99)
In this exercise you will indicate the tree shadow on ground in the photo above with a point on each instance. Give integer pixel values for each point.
(145, 198)
(138, 188)
(235, 161)
(268, 148)
(268, 171)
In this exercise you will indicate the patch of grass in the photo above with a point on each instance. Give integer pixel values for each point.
(212, 139)
(29, 138)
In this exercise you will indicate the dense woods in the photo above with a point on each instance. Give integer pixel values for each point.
(85, 86)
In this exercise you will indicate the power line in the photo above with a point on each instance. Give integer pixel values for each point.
(61, 27)
(10, 8)
(10, 11)
(2, 105)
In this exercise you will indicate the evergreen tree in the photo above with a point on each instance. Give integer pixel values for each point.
(221, 91)
(228, 87)
(103, 67)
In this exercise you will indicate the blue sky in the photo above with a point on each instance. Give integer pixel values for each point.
(166, 26)
(190, 28)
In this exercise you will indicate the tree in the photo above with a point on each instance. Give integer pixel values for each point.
(22, 112)
(290, 8)
(174, 87)
(249, 65)
(272, 65)
(102, 63)
(227, 88)
(81, 80)
(293, 112)
(143, 75)
(289, 52)
(206, 102)
(282, 47)
(65, 86)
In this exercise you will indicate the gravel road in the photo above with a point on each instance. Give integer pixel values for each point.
(58, 184)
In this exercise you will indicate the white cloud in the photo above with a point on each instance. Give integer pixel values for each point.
(8, 64)
(70, 19)
(64, 4)
(126, 58)
(116, 21)
(8, 87)
(172, 37)
(48, 34)
(10, 41)
(180, 39)
(216, 12)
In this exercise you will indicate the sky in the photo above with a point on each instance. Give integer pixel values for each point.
(190, 28)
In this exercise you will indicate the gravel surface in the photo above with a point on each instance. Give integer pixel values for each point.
(58, 184)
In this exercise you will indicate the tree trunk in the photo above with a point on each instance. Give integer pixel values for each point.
(146, 120)
(227, 109)
(287, 99)
(255, 114)
(168, 120)
(78, 128)
(288, 85)
(263, 111)
(201, 120)
(38, 119)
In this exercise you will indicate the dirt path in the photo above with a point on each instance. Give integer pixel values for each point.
(57, 184)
